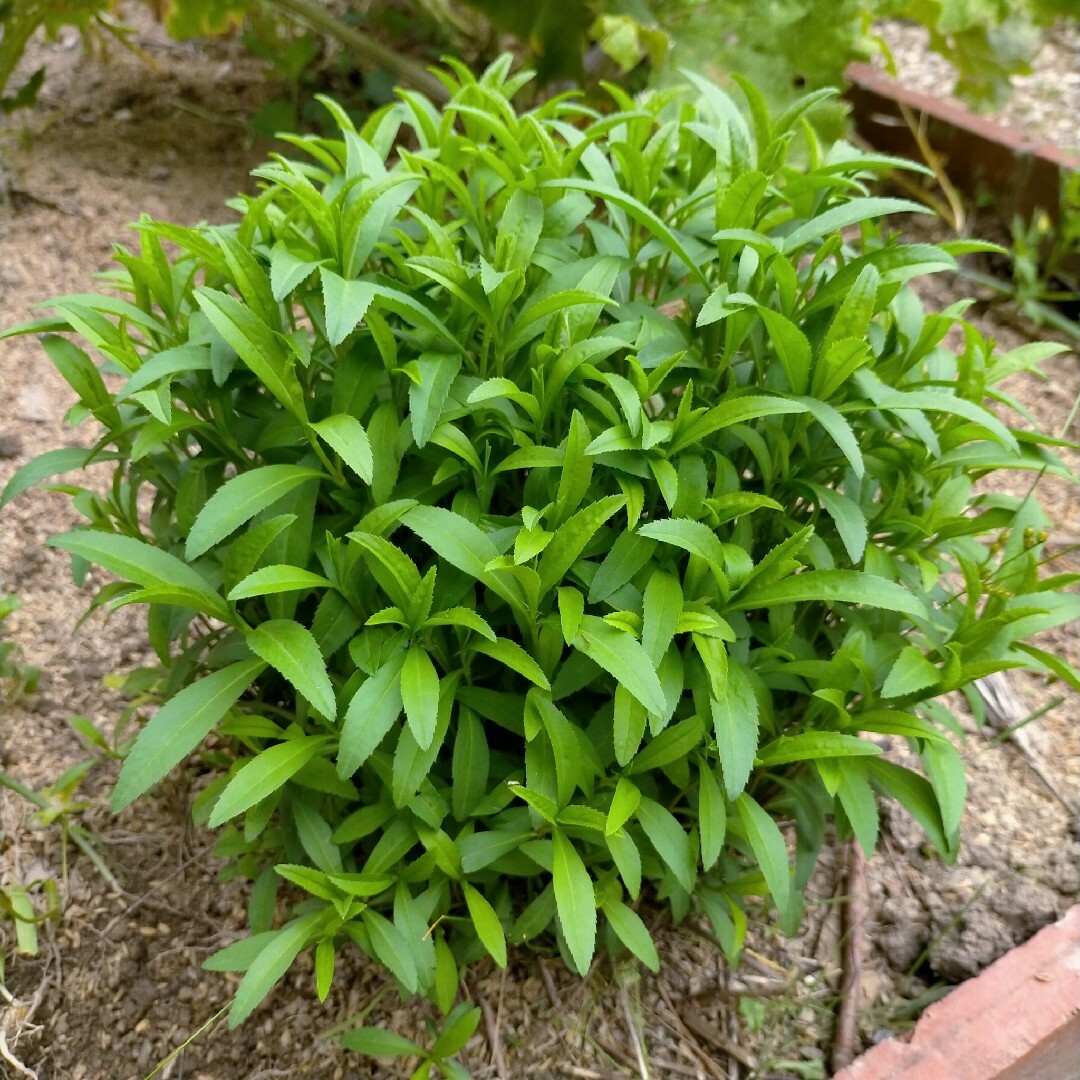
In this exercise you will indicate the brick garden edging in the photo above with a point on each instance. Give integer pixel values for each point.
(1023, 174)
(1018, 1020)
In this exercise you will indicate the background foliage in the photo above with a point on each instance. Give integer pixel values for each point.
(545, 507)
(785, 46)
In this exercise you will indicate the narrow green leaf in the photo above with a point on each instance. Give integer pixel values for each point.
(426, 401)
(278, 579)
(623, 804)
(911, 673)
(632, 932)
(712, 816)
(830, 587)
(263, 775)
(670, 840)
(238, 500)
(345, 435)
(621, 655)
(513, 656)
(808, 745)
(178, 727)
(274, 959)
(346, 303)
(370, 715)
(735, 723)
(571, 537)
(470, 766)
(291, 648)
(378, 1042)
(767, 843)
(488, 927)
(574, 899)
(49, 464)
(420, 694)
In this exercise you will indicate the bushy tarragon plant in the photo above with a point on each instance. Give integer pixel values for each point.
(537, 509)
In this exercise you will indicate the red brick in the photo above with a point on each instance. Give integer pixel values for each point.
(1022, 173)
(1018, 1020)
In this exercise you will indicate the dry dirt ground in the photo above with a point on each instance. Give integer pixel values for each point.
(117, 985)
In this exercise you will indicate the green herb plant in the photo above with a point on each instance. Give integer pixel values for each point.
(546, 511)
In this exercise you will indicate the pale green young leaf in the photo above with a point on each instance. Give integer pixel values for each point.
(623, 804)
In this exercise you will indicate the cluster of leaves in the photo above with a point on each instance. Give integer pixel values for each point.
(542, 507)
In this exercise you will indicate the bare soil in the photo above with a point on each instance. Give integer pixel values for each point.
(117, 985)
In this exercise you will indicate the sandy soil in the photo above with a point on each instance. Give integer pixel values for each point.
(117, 985)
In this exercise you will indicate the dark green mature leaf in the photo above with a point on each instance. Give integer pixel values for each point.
(265, 774)
(632, 932)
(370, 715)
(831, 587)
(420, 694)
(178, 727)
(47, 465)
(670, 839)
(238, 500)
(346, 436)
(274, 959)
(291, 648)
(378, 1042)
(735, 724)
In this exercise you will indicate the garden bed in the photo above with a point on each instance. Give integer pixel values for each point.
(118, 985)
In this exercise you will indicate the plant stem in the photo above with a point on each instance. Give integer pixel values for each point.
(363, 47)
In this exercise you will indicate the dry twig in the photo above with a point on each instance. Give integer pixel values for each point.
(491, 1024)
(854, 929)
(635, 1035)
(677, 1025)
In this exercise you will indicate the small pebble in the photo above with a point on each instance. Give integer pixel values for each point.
(123, 115)
(160, 172)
